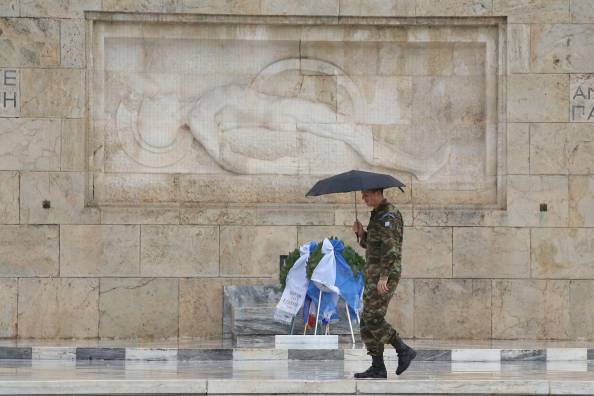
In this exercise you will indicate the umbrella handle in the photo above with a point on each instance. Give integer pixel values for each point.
(356, 217)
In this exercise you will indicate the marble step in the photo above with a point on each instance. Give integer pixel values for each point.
(210, 354)
(297, 387)
(257, 320)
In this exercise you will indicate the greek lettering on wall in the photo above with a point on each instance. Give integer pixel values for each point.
(9, 93)
(582, 98)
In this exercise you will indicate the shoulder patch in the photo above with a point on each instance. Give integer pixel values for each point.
(388, 216)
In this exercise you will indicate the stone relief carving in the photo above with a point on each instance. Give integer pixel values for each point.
(253, 118)
(250, 129)
(237, 109)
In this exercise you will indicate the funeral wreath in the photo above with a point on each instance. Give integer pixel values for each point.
(353, 259)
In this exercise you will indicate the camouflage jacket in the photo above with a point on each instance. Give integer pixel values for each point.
(383, 242)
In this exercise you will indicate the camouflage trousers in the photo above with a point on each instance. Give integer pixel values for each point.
(375, 331)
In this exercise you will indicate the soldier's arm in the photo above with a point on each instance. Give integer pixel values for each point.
(363, 240)
(391, 246)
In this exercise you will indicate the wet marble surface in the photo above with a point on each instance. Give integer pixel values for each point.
(11, 370)
(274, 376)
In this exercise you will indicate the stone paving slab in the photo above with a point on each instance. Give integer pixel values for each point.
(92, 387)
(292, 387)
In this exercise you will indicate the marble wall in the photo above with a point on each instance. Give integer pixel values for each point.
(135, 183)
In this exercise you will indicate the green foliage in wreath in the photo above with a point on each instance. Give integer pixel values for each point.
(291, 258)
(353, 259)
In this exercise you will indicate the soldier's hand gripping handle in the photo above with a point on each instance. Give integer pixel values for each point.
(358, 228)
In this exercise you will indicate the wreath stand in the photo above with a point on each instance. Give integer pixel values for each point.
(321, 341)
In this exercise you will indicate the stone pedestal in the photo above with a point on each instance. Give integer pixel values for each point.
(249, 316)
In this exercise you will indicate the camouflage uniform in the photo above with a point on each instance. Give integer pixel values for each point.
(383, 244)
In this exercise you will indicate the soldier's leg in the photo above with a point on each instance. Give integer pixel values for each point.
(375, 331)
(368, 334)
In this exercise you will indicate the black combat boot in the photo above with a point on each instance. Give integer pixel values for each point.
(405, 355)
(377, 369)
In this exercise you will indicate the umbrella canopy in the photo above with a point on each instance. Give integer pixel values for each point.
(354, 181)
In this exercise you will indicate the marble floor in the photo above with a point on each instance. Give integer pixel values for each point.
(279, 370)
(290, 377)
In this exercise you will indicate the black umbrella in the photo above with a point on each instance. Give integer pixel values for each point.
(354, 181)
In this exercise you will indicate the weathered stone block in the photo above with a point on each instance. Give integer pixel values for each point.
(9, 8)
(548, 148)
(531, 309)
(8, 313)
(29, 42)
(135, 188)
(518, 149)
(201, 305)
(561, 48)
(73, 145)
(518, 51)
(581, 293)
(141, 5)
(138, 308)
(58, 8)
(139, 215)
(580, 149)
(468, 303)
(538, 98)
(491, 252)
(29, 250)
(29, 144)
(346, 217)
(562, 253)
(582, 11)
(72, 42)
(222, 216)
(581, 201)
(99, 250)
(427, 252)
(65, 192)
(435, 217)
(249, 7)
(401, 310)
(255, 251)
(9, 198)
(381, 8)
(294, 215)
(439, 193)
(453, 7)
(52, 93)
(525, 194)
(169, 250)
(299, 7)
(58, 308)
(533, 11)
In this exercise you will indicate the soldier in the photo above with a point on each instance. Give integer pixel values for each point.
(383, 244)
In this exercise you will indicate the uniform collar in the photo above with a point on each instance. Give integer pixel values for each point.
(382, 207)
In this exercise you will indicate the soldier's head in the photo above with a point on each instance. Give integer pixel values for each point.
(373, 197)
